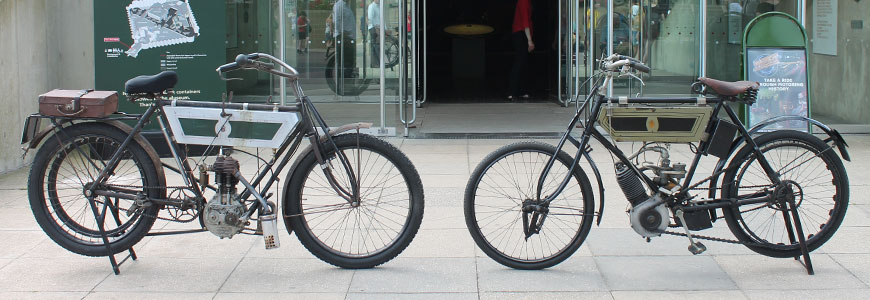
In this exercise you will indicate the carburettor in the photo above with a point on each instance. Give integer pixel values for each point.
(222, 215)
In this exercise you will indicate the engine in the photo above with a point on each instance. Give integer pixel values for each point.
(649, 215)
(223, 213)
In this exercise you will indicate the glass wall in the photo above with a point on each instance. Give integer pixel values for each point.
(663, 34)
(334, 45)
(726, 20)
(252, 26)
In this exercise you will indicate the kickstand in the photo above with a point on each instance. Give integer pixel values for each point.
(797, 231)
(100, 217)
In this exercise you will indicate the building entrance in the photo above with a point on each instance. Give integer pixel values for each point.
(470, 51)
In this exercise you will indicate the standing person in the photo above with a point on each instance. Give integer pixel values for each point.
(374, 27)
(344, 32)
(523, 45)
(302, 25)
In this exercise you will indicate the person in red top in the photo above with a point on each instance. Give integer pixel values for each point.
(523, 45)
(304, 28)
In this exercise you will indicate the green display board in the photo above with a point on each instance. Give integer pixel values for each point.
(775, 55)
(145, 37)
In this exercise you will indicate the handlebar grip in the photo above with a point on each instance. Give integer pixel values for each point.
(639, 66)
(228, 67)
(629, 58)
(243, 60)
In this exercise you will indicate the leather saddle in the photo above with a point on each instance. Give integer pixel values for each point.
(726, 88)
(153, 84)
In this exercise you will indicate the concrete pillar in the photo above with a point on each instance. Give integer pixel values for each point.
(44, 45)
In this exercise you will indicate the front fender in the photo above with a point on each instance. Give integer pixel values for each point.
(293, 168)
(833, 136)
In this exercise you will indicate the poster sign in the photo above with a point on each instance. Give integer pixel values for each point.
(783, 78)
(825, 27)
(146, 37)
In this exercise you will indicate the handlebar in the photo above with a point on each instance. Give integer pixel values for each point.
(616, 61)
(251, 62)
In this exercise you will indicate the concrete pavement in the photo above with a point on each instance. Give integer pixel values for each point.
(442, 262)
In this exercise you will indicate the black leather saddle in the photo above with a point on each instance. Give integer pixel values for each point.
(153, 84)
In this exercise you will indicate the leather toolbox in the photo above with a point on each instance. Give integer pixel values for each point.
(78, 103)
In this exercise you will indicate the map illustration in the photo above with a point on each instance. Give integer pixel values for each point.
(158, 23)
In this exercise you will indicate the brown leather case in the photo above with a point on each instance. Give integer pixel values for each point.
(78, 103)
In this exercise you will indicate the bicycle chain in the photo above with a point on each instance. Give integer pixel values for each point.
(709, 238)
(177, 187)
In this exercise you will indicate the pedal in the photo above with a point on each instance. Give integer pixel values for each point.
(697, 248)
(269, 224)
(694, 247)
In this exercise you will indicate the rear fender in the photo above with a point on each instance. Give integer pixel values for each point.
(833, 137)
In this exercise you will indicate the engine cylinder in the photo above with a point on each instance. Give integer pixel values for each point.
(630, 185)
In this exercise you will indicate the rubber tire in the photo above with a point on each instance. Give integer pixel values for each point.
(834, 164)
(292, 204)
(471, 187)
(40, 166)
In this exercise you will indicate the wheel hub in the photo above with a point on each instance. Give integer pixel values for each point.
(787, 191)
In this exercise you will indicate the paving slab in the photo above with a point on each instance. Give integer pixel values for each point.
(848, 240)
(42, 295)
(441, 243)
(455, 181)
(418, 275)
(576, 274)
(650, 273)
(857, 264)
(412, 296)
(823, 294)
(282, 296)
(285, 275)
(19, 242)
(146, 295)
(678, 295)
(545, 295)
(857, 215)
(53, 274)
(443, 217)
(17, 219)
(202, 245)
(756, 272)
(154, 274)
(451, 196)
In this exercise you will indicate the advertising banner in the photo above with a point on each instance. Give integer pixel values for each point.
(783, 78)
(146, 37)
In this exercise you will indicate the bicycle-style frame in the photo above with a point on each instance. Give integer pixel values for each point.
(676, 199)
(311, 126)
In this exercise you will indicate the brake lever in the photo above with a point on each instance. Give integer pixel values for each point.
(633, 76)
(224, 78)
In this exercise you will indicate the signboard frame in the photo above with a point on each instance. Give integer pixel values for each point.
(772, 32)
(187, 36)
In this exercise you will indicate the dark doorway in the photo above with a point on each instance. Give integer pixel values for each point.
(481, 74)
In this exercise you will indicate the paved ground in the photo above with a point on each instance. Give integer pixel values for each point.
(442, 262)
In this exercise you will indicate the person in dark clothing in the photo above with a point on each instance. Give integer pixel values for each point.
(523, 44)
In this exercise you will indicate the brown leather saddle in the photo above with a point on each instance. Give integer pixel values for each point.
(726, 88)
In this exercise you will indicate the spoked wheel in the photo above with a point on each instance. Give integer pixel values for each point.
(66, 165)
(356, 235)
(391, 52)
(501, 194)
(812, 176)
(341, 84)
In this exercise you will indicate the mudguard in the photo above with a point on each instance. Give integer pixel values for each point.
(333, 132)
(833, 136)
(152, 154)
(597, 178)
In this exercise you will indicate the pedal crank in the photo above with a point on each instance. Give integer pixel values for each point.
(694, 247)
